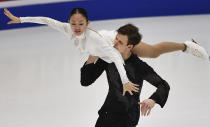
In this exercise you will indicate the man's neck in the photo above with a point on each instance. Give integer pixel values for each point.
(126, 55)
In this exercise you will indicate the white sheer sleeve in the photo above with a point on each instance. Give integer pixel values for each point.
(98, 46)
(108, 35)
(116, 57)
(60, 26)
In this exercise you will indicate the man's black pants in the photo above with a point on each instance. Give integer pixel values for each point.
(112, 120)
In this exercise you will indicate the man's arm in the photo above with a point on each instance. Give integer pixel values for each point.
(91, 70)
(160, 96)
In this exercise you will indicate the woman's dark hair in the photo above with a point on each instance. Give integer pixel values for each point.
(81, 11)
(132, 32)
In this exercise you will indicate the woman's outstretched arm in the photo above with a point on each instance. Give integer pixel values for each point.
(60, 26)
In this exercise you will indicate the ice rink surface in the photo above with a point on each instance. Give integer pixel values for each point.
(40, 76)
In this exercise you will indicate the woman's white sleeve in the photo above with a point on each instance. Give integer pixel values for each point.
(114, 55)
(60, 26)
(108, 53)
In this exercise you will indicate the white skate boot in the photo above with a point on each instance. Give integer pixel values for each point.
(195, 49)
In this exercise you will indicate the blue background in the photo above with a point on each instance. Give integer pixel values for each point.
(108, 9)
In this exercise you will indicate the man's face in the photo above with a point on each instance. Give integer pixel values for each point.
(120, 43)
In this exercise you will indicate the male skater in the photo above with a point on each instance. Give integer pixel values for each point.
(121, 109)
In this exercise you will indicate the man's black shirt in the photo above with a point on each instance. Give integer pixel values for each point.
(137, 71)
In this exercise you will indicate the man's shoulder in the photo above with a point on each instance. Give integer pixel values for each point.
(134, 57)
(101, 62)
(139, 62)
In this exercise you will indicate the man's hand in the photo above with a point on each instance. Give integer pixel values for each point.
(13, 18)
(130, 87)
(92, 59)
(146, 106)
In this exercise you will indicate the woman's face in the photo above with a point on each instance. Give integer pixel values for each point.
(78, 23)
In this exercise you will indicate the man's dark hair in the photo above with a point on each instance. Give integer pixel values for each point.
(132, 32)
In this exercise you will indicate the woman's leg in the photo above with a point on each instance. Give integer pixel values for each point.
(153, 51)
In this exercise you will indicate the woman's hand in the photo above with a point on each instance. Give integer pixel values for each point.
(92, 59)
(13, 18)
